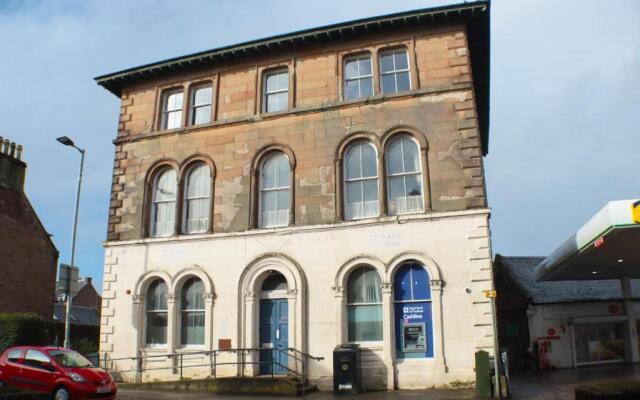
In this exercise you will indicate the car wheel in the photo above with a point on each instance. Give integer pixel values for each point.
(61, 393)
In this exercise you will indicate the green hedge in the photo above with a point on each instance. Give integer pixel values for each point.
(22, 329)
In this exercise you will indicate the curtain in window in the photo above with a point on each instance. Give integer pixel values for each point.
(164, 203)
(404, 176)
(156, 310)
(361, 181)
(201, 105)
(192, 312)
(172, 110)
(274, 191)
(364, 305)
(197, 199)
(276, 91)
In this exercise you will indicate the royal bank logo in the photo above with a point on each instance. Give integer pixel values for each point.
(635, 212)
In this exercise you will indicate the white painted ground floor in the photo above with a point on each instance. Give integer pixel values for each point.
(408, 289)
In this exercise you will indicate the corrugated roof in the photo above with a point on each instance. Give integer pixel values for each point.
(522, 270)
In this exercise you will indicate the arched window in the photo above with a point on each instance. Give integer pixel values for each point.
(404, 176)
(275, 281)
(197, 199)
(274, 191)
(156, 313)
(361, 181)
(192, 312)
(163, 211)
(364, 305)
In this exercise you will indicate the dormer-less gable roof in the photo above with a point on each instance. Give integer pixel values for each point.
(475, 15)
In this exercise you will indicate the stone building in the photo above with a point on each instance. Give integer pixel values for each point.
(28, 257)
(306, 190)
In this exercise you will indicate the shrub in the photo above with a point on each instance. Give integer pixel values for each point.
(21, 329)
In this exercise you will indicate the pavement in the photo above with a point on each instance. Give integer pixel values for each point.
(549, 385)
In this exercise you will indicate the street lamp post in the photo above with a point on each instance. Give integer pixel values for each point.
(68, 142)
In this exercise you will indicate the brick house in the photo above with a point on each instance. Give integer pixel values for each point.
(306, 190)
(28, 257)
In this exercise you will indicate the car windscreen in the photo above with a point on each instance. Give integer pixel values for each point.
(70, 359)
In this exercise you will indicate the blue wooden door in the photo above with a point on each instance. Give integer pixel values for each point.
(274, 334)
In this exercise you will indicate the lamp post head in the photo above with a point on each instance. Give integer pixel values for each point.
(65, 141)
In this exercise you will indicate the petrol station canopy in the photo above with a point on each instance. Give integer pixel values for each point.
(606, 247)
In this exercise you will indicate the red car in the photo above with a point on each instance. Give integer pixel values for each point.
(62, 372)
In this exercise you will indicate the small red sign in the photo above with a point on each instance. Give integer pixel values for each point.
(551, 332)
(599, 242)
(613, 308)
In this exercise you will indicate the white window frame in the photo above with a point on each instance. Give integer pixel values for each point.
(395, 70)
(187, 200)
(266, 93)
(359, 78)
(165, 111)
(360, 180)
(193, 107)
(404, 175)
(262, 190)
(155, 202)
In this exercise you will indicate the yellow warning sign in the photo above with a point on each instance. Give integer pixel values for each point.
(635, 212)
(490, 294)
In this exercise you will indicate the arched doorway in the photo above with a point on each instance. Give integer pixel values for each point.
(274, 324)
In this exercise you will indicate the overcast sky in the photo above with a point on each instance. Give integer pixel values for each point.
(565, 89)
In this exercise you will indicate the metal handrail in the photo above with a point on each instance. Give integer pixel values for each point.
(297, 356)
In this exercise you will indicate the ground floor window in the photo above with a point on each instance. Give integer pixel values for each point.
(364, 306)
(599, 342)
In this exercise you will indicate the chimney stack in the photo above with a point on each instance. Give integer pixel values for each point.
(12, 168)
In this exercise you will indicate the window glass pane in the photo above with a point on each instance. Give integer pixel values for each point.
(353, 162)
(198, 182)
(370, 190)
(157, 296)
(202, 115)
(365, 323)
(396, 187)
(366, 87)
(365, 66)
(401, 60)
(156, 327)
(411, 155)
(386, 62)
(402, 81)
(354, 192)
(192, 295)
(166, 186)
(269, 173)
(283, 171)
(275, 281)
(363, 286)
(272, 82)
(419, 282)
(283, 199)
(282, 101)
(369, 160)
(202, 96)
(351, 69)
(192, 328)
(174, 120)
(269, 201)
(283, 80)
(402, 284)
(413, 185)
(174, 101)
(394, 157)
(388, 83)
(352, 90)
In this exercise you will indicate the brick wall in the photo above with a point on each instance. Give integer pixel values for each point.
(441, 108)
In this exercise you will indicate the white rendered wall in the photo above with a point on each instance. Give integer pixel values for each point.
(316, 260)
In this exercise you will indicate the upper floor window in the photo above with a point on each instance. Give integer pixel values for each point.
(394, 71)
(163, 208)
(197, 199)
(276, 91)
(201, 105)
(364, 305)
(361, 181)
(172, 109)
(274, 191)
(192, 312)
(358, 77)
(156, 313)
(404, 176)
